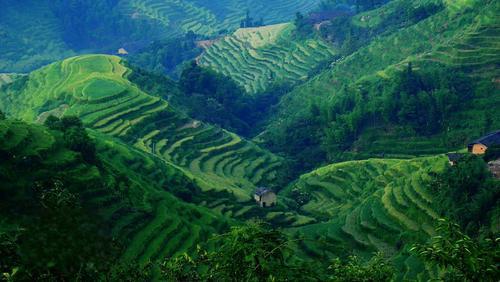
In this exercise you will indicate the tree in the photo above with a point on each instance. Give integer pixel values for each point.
(255, 252)
(215, 98)
(75, 135)
(252, 252)
(463, 258)
(77, 139)
(2, 116)
(302, 26)
(53, 122)
(493, 153)
(466, 192)
(352, 270)
(9, 255)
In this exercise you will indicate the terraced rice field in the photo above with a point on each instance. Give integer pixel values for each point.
(149, 221)
(95, 88)
(422, 44)
(476, 49)
(210, 17)
(158, 225)
(217, 157)
(369, 206)
(257, 57)
(373, 143)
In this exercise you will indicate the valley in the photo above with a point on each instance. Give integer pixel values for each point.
(237, 140)
(95, 88)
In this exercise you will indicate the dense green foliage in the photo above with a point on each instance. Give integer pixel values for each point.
(377, 269)
(254, 252)
(361, 107)
(124, 174)
(420, 103)
(468, 194)
(50, 223)
(214, 98)
(248, 253)
(74, 135)
(462, 257)
(65, 217)
(302, 27)
(53, 30)
(167, 56)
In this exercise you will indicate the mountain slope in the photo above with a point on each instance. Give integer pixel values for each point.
(376, 205)
(209, 18)
(126, 190)
(36, 33)
(95, 88)
(255, 57)
(29, 39)
(460, 39)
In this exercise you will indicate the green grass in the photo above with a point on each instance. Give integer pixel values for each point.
(96, 88)
(138, 210)
(100, 88)
(465, 41)
(151, 225)
(255, 57)
(32, 36)
(208, 18)
(368, 206)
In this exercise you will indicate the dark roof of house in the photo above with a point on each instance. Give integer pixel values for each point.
(454, 156)
(489, 139)
(263, 190)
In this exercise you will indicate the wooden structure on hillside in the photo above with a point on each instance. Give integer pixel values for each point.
(265, 197)
(480, 146)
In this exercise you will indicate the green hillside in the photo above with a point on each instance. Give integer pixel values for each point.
(126, 190)
(95, 88)
(53, 30)
(29, 39)
(302, 140)
(210, 18)
(367, 206)
(459, 39)
(158, 225)
(255, 57)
